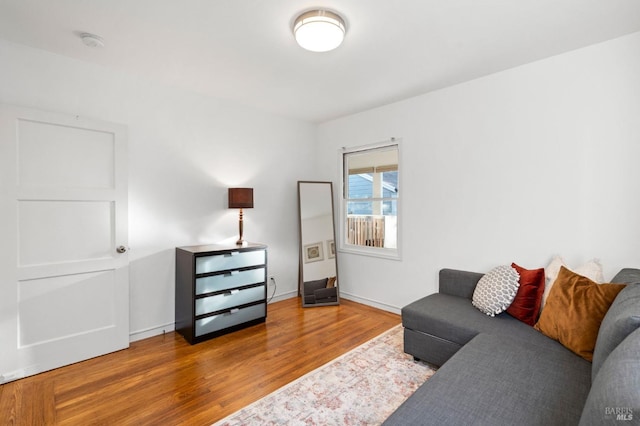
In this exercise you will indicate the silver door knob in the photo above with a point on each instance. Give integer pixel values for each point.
(122, 249)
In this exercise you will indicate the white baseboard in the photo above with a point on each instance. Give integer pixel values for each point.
(134, 336)
(284, 296)
(369, 302)
(161, 329)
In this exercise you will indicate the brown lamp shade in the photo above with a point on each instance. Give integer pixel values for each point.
(240, 198)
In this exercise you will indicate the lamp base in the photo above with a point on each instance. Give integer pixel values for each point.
(240, 241)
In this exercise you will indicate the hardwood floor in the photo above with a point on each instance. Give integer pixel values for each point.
(164, 380)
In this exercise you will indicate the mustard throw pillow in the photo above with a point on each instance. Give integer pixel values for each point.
(331, 282)
(574, 310)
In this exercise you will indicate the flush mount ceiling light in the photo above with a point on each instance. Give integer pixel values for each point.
(92, 40)
(319, 30)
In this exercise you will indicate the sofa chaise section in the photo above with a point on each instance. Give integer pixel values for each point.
(437, 326)
(488, 382)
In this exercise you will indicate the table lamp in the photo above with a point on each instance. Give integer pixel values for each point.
(240, 198)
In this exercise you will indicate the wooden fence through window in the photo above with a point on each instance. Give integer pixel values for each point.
(365, 231)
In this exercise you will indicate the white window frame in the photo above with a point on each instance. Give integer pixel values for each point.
(387, 253)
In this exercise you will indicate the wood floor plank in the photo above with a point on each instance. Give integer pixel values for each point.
(164, 380)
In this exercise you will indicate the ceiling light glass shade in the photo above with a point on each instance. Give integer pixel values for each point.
(319, 30)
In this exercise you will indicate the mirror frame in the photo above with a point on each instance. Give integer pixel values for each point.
(301, 246)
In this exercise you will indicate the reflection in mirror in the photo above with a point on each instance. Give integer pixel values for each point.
(318, 273)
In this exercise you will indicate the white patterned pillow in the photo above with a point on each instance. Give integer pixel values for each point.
(496, 290)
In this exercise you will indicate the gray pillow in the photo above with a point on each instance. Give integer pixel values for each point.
(496, 290)
(614, 398)
(622, 319)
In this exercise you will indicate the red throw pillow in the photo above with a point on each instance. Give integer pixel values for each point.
(526, 305)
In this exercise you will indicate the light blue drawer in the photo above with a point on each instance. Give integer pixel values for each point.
(233, 260)
(229, 319)
(223, 301)
(229, 280)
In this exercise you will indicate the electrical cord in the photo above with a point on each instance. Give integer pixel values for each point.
(275, 286)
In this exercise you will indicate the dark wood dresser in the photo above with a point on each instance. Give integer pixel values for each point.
(219, 289)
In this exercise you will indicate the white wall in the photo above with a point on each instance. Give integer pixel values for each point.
(513, 167)
(185, 150)
(516, 166)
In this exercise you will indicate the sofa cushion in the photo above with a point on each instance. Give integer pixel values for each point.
(526, 304)
(622, 319)
(311, 286)
(495, 380)
(614, 391)
(495, 291)
(574, 311)
(455, 282)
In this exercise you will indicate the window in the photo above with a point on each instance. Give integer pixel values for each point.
(370, 200)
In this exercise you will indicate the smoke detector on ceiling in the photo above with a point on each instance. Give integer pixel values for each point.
(92, 40)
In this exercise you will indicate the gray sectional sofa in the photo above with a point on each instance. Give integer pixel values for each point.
(500, 371)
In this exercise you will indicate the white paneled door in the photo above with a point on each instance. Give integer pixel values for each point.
(64, 286)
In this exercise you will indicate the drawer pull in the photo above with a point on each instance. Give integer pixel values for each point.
(234, 310)
(234, 272)
(234, 253)
(234, 291)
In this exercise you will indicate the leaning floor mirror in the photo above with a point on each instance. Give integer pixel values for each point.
(318, 271)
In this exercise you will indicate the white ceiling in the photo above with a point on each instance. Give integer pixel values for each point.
(243, 50)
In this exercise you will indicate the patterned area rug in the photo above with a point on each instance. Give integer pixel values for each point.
(362, 387)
